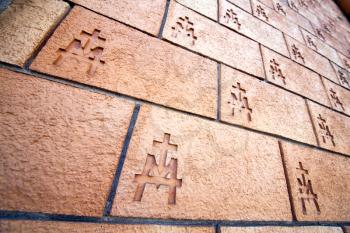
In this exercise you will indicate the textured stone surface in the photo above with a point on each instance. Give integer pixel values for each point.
(267, 3)
(345, 61)
(134, 64)
(210, 156)
(206, 7)
(277, 20)
(243, 4)
(338, 96)
(313, 172)
(251, 27)
(343, 76)
(63, 227)
(308, 229)
(272, 109)
(337, 137)
(210, 39)
(321, 47)
(59, 146)
(144, 14)
(297, 78)
(310, 58)
(24, 25)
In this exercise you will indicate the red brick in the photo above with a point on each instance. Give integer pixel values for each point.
(134, 64)
(264, 107)
(297, 78)
(59, 145)
(323, 177)
(338, 96)
(211, 39)
(337, 137)
(343, 76)
(306, 229)
(277, 20)
(58, 227)
(251, 27)
(207, 156)
(24, 26)
(310, 58)
(208, 8)
(143, 14)
(321, 47)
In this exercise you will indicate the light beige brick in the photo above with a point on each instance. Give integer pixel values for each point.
(210, 39)
(143, 14)
(296, 77)
(306, 229)
(62, 227)
(338, 96)
(332, 128)
(243, 4)
(134, 64)
(252, 103)
(319, 183)
(206, 7)
(244, 183)
(343, 76)
(24, 25)
(245, 23)
(59, 146)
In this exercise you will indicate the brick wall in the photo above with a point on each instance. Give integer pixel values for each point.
(174, 116)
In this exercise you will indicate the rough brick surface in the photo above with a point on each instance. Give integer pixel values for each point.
(245, 23)
(319, 183)
(292, 76)
(210, 39)
(277, 20)
(309, 58)
(253, 103)
(209, 156)
(63, 227)
(343, 76)
(133, 64)
(311, 229)
(243, 4)
(208, 8)
(338, 96)
(59, 146)
(24, 25)
(332, 128)
(143, 14)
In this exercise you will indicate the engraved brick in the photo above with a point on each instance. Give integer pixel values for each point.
(345, 61)
(174, 159)
(206, 7)
(321, 47)
(255, 104)
(277, 20)
(58, 227)
(134, 64)
(59, 146)
(309, 58)
(343, 76)
(267, 229)
(143, 14)
(297, 78)
(332, 128)
(319, 183)
(24, 25)
(267, 3)
(210, 39)
(245, 23)
(338, 96)
(243, 4)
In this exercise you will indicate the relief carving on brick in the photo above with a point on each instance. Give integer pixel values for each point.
(324, 131)
(280, 9)
(239, 101)
(231, 16)
(336, 100)
(297, 54)
(320, 34)
(87, 48)
(293, 5)
(185, 28)
(308, 198)
(276, 71)
(261, 12)
(346, 63)
(310, 42)
(161, 173)
(343, 80)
